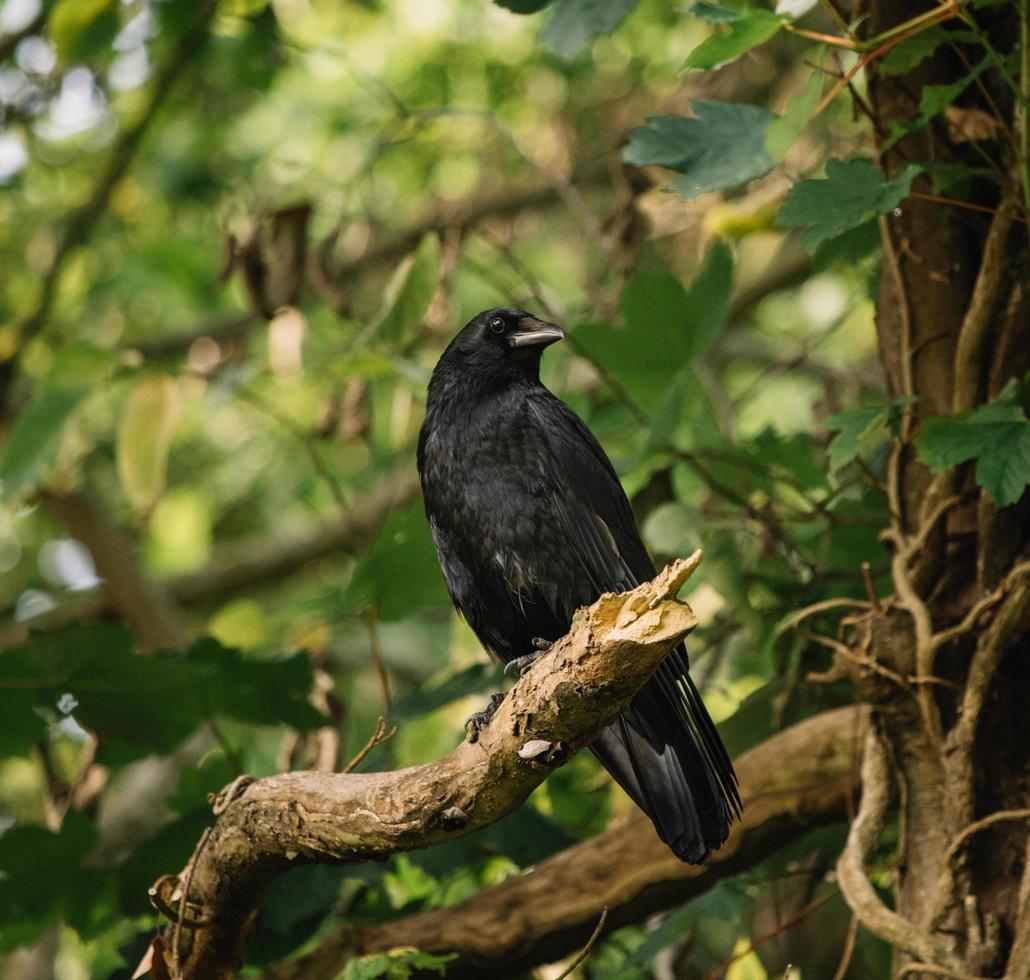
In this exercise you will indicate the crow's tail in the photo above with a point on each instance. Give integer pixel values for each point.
(665, 753)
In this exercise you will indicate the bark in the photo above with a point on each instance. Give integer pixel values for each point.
(947, 690)
(556, 708)
(799, 779)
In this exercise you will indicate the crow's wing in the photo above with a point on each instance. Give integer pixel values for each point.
(664, 750)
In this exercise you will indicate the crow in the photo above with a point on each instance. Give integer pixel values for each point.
(530, 522)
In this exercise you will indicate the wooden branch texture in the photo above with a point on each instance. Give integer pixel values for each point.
(564, 701)
(799, 779)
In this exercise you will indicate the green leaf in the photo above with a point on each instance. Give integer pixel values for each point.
(523, 6)
(996, 435)
(724, 146)
(410, 291)
(743, 33)
(861, 430)
(262, 692)
(574, 22)
(667, 326)
(713, 13)
(80, 28)
(400, 573)
(398, 964)
(784, 130)
(934, 99)
(145, 432)
(851, 192)
(36, 437)
(137, 705)
(910, 52)
(41, 878)
(708, 299)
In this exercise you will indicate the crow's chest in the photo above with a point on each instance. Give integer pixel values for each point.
(492, 499)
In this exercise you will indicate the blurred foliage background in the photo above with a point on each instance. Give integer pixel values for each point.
(234, 239)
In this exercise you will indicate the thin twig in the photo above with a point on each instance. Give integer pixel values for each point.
(983, 823)
(777, 930)
(231, 755)
(870, 586)
(372, 619)
(379, 735)
(849, 949)
(585, 951)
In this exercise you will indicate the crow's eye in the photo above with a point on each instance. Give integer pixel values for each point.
(497, 325)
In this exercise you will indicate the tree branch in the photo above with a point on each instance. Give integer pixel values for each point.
(798, 779)
(252, 564)
(855, 885)
(576, 689)
(143, 605)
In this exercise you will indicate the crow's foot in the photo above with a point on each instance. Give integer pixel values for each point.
(520, 665)
(478, 720)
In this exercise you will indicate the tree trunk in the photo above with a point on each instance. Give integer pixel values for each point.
(953, 318)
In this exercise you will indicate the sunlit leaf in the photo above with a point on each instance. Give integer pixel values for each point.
(80, 28)
(145, 431)
(784, 130)
(724, 146)
(742, 34)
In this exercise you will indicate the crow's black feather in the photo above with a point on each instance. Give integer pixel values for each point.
(530, 523)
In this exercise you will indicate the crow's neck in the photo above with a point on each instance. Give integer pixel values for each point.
(469, 390)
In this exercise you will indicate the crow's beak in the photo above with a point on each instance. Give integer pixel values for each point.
(535, 333)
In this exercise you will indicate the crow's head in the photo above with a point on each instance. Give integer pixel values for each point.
(504, 338)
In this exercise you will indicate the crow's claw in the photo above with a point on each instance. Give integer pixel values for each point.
(478, 720)
(518, 666)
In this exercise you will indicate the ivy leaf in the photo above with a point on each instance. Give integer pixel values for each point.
(744, 32)
(36, 436)
(996, 435)
(861, 430)
(574, 22)
(851, 192)
(724, 146)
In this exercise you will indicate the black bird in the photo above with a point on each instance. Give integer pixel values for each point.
(530, 523)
